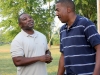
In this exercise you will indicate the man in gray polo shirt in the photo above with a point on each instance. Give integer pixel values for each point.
(29, 49)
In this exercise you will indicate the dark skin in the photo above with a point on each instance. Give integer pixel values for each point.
(26, 23)
(67, 15)
(61, 68)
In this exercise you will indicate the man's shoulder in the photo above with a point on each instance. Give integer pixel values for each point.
(84, 21)
(18, 36)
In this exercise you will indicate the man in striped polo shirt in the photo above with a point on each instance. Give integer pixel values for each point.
(79, 42)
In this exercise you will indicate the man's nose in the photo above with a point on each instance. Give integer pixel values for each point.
(29, 19)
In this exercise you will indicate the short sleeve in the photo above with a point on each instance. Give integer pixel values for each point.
(47, 47)
(46, 43)
(93, 37)
(16, 49)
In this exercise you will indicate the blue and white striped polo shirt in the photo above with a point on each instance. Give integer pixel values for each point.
(76, 43)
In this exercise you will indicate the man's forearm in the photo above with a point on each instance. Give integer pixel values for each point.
(97, 65)
(24, 61)
(61, 68)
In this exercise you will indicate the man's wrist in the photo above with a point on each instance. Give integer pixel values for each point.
(48, 54)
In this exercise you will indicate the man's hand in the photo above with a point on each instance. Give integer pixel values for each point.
(50, 59)
(49, 54)
(46, 58)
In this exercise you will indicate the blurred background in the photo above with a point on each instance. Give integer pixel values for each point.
(43, 13)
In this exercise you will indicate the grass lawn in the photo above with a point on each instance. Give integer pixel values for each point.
(7, 67)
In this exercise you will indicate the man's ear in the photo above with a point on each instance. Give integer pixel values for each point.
(20, 24)
(69, 10)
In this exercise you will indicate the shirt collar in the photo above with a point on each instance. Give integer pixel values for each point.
(35, 34)
(75, 22)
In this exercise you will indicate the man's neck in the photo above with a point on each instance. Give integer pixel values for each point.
(29, 31)
(71, 20)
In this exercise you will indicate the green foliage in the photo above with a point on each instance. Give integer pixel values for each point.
(56, 39)
(2, 39)
(87, 8)
(10, 9)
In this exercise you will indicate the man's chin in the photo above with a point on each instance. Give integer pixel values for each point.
(63, 21)
(28, 28)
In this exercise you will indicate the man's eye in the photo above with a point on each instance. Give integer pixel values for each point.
(24, 19)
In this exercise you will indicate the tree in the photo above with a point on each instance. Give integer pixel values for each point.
(87, 8)
(10, 9)
(2, 39)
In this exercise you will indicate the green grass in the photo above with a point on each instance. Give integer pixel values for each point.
(7, 67)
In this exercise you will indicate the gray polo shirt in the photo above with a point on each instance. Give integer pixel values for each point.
(30, 46)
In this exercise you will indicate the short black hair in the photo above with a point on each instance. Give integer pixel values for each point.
(19, 16)
(67, 3)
